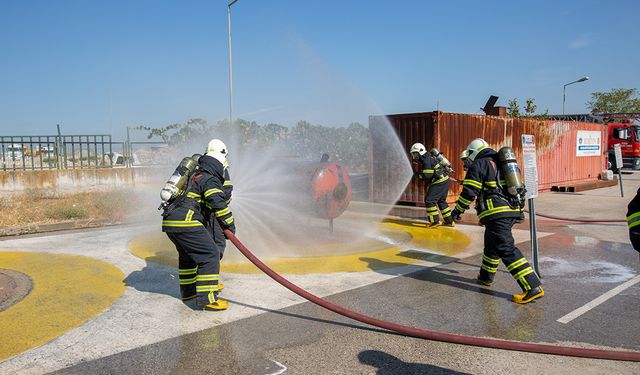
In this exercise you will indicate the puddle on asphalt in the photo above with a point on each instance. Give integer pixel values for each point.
(607, 272)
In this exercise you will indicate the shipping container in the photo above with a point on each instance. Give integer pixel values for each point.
(557, 152)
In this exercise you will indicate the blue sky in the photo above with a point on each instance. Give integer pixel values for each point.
(99, 66)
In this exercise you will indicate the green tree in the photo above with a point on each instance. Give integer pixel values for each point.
(530, 107)
(513, 110)
(615, 101)
(177, 134)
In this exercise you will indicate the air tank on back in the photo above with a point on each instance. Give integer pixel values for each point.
(444, 162)
(510, 171)
(178, 180)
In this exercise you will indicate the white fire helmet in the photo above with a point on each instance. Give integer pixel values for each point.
(418, 148)
(218, 150)
(475, 147)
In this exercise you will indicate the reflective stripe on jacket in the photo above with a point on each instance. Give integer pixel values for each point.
(481, 183)
(431, 171)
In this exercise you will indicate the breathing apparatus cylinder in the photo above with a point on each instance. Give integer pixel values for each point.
(510, 171)
(178, 180)
(444, 162)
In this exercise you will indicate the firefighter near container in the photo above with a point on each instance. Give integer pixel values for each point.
(434, 169)
(186, 222)
(490, 181)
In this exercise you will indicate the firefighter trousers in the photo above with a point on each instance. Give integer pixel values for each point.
(500, 245)
(198, 265)
(436, 198)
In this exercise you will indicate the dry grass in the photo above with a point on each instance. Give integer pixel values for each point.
(40, 206)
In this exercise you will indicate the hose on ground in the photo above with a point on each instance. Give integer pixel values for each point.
(568, 218)
(580, 220)
(435, 335)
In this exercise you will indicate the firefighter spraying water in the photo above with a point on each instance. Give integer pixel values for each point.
(193, 197)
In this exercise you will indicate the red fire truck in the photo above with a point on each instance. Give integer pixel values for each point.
(624, 128)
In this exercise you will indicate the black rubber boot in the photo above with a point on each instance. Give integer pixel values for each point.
(482, 280)
(528, 296)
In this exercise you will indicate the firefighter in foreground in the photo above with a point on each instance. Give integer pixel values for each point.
(433, 169)
(184, 217)
(633, 221)
(493, 180)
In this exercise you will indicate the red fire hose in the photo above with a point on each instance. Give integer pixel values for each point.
(435, 335)
(568, 218)
(580, 220)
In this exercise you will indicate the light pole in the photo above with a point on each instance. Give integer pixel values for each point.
(564, 89)
(230, 63)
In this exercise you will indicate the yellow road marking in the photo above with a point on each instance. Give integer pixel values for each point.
(156, 247)
(68, 290)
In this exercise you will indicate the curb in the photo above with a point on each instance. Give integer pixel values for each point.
(55, 227)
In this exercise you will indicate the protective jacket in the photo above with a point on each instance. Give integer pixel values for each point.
(227, 186)
(482, 183)
(430, 170)
(204, 192)
(633, 221)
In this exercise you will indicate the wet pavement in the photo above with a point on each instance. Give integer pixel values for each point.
(307, 339)
(269, 330)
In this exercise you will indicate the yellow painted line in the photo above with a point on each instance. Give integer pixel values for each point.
(68, 290)
(156, 247)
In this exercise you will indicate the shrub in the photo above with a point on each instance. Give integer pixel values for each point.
(68, 212)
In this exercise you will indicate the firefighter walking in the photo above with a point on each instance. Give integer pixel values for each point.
(490, 180)
(434, 174)
(183, 222)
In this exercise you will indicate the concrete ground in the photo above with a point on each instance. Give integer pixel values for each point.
(95, 307)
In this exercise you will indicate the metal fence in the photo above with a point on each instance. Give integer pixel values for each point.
(77, 152)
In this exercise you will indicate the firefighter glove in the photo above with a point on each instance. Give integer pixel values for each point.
(232, 228)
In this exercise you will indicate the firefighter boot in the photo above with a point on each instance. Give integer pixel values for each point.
(218, 305)
(433, 224)
(451, 224)
(486, 281)
(211, 302)
(528, 296)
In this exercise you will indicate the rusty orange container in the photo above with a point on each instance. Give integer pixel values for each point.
(556, 147)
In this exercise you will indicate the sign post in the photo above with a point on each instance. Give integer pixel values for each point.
(531, 184)
(618, 151)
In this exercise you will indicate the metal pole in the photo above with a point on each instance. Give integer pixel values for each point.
(564, 89)
(127, 151)
(534, 236)
(620, 178)
(230, 63)
(61, 152)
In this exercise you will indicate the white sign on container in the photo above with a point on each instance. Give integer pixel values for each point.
(588, 143)
(530, 165)
(618, 152)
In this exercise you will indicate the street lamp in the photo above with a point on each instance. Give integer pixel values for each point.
(230, 63)
(564, 89)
